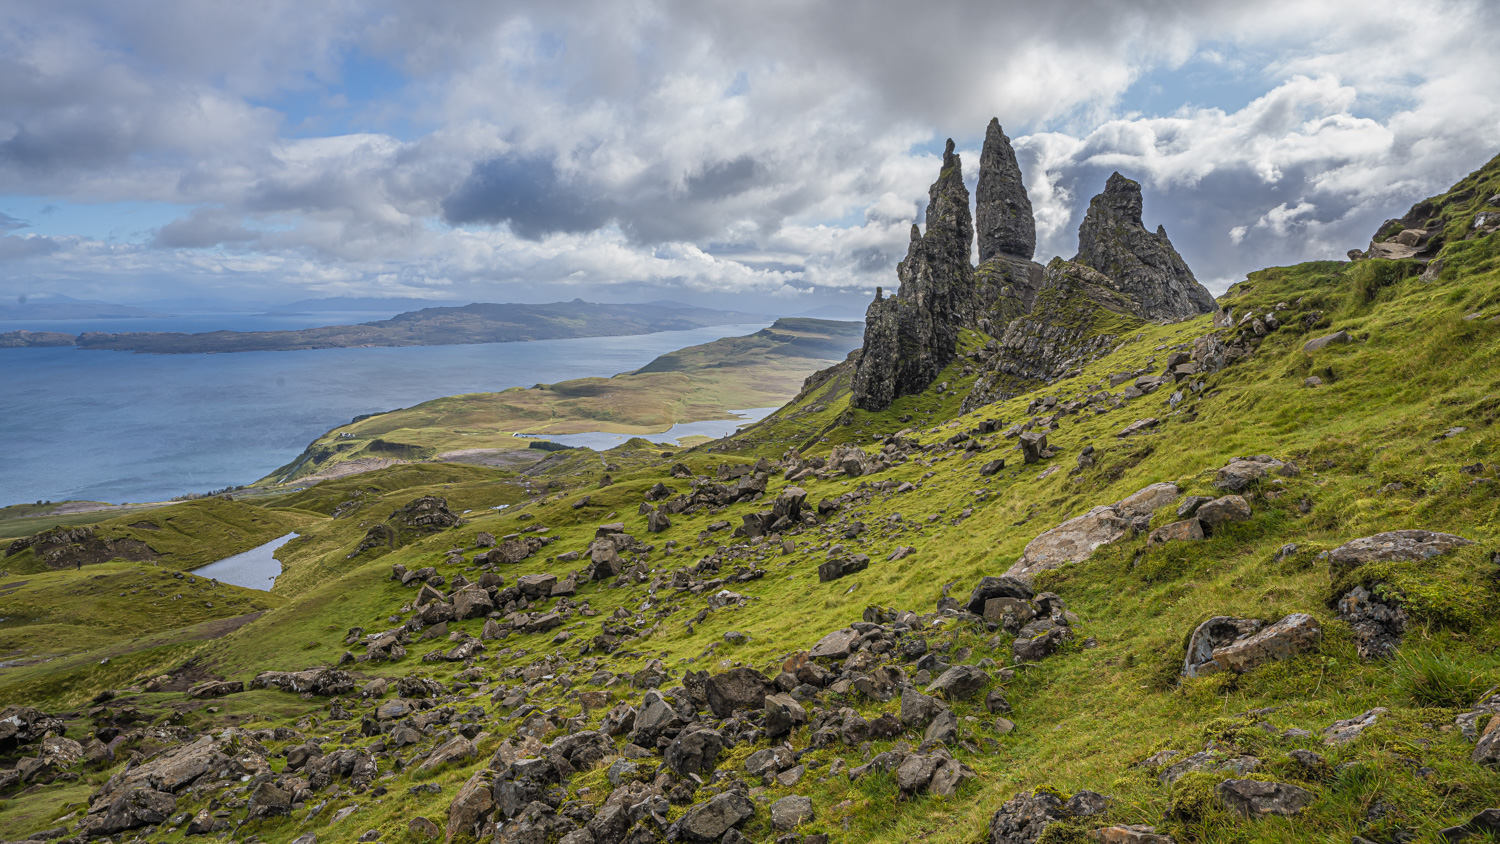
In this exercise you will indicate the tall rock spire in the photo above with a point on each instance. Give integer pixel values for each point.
(1002, 213)
(912, 335)
(1143, 264)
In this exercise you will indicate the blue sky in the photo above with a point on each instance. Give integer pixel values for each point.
(703, 152)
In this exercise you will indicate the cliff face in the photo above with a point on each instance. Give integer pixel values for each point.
(1114, 241)
(911, 336)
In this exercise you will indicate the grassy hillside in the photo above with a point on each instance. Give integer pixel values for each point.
(1390, 430)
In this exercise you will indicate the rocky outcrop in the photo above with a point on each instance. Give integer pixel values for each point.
(1002, 211)
(1056, 335)
(1240, 644)
(1143, 264)
(65, 547)
(911, 336)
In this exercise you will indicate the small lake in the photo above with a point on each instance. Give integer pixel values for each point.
(713, 428)
(253, 569)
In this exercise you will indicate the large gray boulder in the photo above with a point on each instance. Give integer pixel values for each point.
(995, 587)
(738, 688)
(1143, 264)
(707, 822)
(1239, 644)
(1394, 546)
(1076, 539)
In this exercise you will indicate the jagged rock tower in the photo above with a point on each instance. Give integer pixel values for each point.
(911, 336)
(1039, 315)
(1143, 264)
(1002, 215)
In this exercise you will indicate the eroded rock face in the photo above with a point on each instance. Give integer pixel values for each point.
(1143, 264)
(911, 336)
(1002, 211)
(24, 724)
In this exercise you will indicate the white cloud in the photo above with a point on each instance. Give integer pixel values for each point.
(705, 147)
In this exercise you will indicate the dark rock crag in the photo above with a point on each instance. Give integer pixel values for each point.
(1143, 264)
(911, 336)
(1002, 210)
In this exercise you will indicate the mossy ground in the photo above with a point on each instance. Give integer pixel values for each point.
(1378, 451)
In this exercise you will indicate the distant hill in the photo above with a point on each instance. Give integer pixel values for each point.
(363, 303)
(442, 326)
(65, 307)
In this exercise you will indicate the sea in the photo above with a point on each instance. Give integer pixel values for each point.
(128, 428)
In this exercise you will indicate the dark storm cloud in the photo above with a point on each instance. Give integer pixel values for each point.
(529, 195)
(202, 228)
(722, 179)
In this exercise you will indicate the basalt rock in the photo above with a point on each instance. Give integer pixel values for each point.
(911, 336)
(1142, 264)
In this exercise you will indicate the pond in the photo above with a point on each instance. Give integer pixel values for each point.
(253, 569)
(713, 428)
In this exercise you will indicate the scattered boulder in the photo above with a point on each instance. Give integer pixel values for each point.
(791, 811)
(996, 587)
(1223, 511)
(738, 688)
(1394, 546)
(1025, 818)
(1241, 472)
(24, 724)
(324, 682)
(1183, 531)
(1317, 344)
(708, 822)
(1075, 540)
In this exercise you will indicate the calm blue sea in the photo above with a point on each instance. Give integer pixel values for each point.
(121, 427)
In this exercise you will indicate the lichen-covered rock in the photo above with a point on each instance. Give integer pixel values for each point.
(1394, 546)
(1256, 799)
(1378, 624)
(1142, 264)
(1024, 819)
(707, 822)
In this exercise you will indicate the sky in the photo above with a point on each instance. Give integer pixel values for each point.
(767, 155)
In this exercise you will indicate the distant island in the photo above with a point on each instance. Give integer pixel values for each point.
(443, 326)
